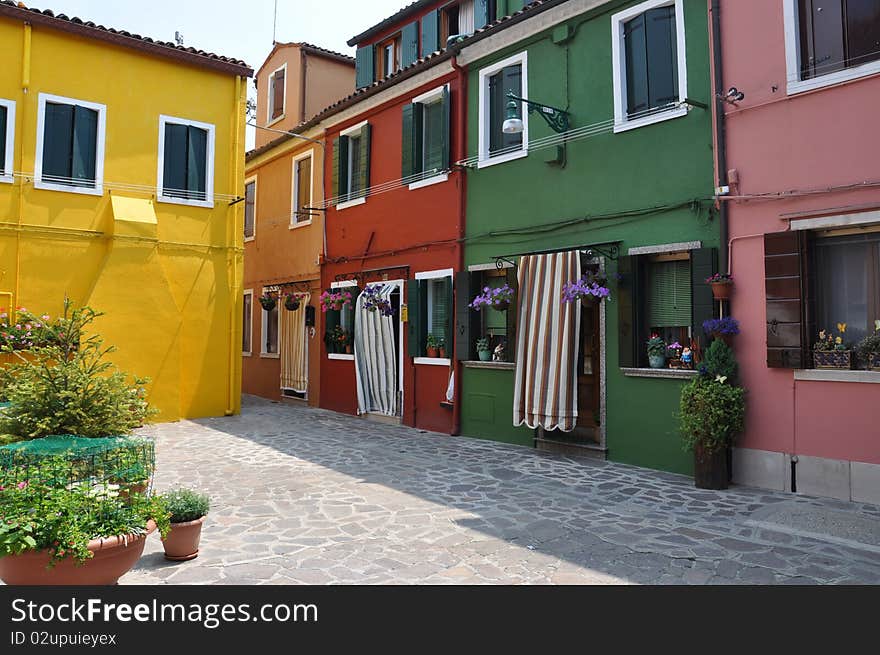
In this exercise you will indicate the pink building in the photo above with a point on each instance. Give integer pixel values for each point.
(803, 168)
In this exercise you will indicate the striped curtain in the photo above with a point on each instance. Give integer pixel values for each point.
(294, 348)
(375, 357)
(545, 388)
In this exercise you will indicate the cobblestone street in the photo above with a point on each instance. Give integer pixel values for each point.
(302, 495)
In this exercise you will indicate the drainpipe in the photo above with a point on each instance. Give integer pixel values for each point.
(461, 153)
(303, 71)
(20, 116)
(232, 234)
(720, 139)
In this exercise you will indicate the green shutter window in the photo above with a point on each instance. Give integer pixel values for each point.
(364, 171)
(439, 308)
(669, 294)
(507, 80)
(444, 130)
(197, 160)
(704, 264)
(337, 159)
(635, 52)
(662, 57)
(433, 157)
(411, 157)
(57, 143)
(186, 161)
(627, 321)
(481, 13)
(430, 32)
(364, 66)
(3, 119)
(85, 146)
(409, 44)
(174, 168)
(415, 301)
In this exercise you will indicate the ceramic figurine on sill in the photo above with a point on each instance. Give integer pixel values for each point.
(687, 358)
(498, 355)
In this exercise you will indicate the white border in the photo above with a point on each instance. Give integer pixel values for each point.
(9, 155)
(665, 247)
(247, 181)
(209, 167)
(436, 275)
(429, 181)
(354, 128)
(430, 275)
(430, 97)
(483, 147)
(795, 84)
(432, 361)
(98, 189)
(342, 356)
(840, 220)
(270, 97)
(264, 323)
(351, 203)
(621, 123)
(294, 187)
(248, 353)
(343, 284)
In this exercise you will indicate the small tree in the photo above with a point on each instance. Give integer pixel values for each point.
(712, 413)
(67, 386)
(719, 360)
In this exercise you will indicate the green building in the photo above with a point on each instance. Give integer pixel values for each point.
(626, 188)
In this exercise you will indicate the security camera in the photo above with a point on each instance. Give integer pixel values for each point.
(735, 94)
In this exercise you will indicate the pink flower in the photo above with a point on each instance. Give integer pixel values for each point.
(22, 484)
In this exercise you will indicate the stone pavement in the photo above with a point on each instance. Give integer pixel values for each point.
(303, 495)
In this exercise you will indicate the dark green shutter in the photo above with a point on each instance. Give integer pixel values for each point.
(409, 44)
(174, 169)
(408, 138)
(481, 14)
(331, 320)
(430, 32)
(635, 53)
(365, 161)
(334, 184)
(626, 315)
(464, 284)
(512, 314)
(85, 145)
(444, 126)
(415, 304)
(785, 268)
(704, 264)
(196, 165)
(3, 120)
(364, 66)
(57, 142)
(450, 318)
(669, 294)
(662, 59)
(340, 168)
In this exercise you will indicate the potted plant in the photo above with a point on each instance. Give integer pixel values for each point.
(591, 287)
(441, 348)
(498, 298)
(335, 300)
(722, 328)
(483, 351)
(722, 285)
(832, 352)
(431, 344)
(268, 300)
(712, 413)
(656, 351)
(292, 301)
(868, 349)
(187, 509)
(373, 301)
(673, 354)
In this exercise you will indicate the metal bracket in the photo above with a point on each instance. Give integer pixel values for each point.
(501, 261)
(557, 119)
(611, 251)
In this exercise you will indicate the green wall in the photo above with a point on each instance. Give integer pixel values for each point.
(631, 174)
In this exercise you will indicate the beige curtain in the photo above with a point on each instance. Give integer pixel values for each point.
(294, 347)
(545, 387)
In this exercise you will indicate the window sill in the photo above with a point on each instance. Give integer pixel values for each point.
(249, 239)
(97, 190)
(498, 366)
(276, 120)
(500, 159)
(625, 126)
(8, 179)
(209, 204)
(432, 361)
(838, 77)
(830, 375)
(350, 203)
(270, 355)
(294, 226)
(663, 373)
(244, 354)
(428, 181)
(340, 356)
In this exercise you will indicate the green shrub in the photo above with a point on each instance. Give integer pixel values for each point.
(68, 387)
(719, 360)
(869, 345)
(186, 505)
(711, 413)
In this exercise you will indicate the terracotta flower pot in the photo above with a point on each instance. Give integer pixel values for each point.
(432, 352)
(441, 352)
(721, 290)
(182, 542)
(112, 558)
(501, 306)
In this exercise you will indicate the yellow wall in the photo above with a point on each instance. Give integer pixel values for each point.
(171, 288)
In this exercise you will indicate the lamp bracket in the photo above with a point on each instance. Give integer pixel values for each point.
(501, 261)
(557, 119)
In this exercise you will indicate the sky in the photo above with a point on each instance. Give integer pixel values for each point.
(241, 29)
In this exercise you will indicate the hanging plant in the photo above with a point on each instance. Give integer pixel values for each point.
(373, 301)
(292, 301)
(498, 298)
(268, 300)
(335, 300)
(592, 286)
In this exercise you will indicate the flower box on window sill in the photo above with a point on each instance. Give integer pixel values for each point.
(838, 359)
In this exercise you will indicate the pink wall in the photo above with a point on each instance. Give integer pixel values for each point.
(777, 142)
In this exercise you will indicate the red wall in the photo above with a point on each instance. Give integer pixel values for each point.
(418, 229)
(399, 25)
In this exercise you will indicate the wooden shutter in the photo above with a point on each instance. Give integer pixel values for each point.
(662, 60)
(430, 32)
(334, 183)
(444, 134)
(409, 44)
(197, 159)
(704, 264)
(481, 14)
(57, 142)
(465, 283)
(626, 314)
(340, 168)
(862, 30)
(364, 66)
(416, 304)
(249, 208)
(3, 119)
(408, 138)
(278, 93)
(785, 287)
(365, 161)
(450, 316)
(174, 167)
(635, 53)
(512, 313)
(822, 42)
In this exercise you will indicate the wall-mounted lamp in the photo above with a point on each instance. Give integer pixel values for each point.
(733, 96)
(557, 119)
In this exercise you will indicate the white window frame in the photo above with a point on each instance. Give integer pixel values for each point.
(264, 324)
(795, 84)
(484, 127)
(209, 167)
(271, 97)
(429, 98)
(435, 275)
(250, 326)
(618, 56)
(348, 132)
(98, 189)
(247, 181)
(294, 187)
(9, 154)
(343, 284)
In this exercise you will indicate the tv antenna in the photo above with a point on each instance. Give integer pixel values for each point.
(178, 38)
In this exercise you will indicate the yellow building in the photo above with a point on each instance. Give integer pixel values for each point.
(121, 173)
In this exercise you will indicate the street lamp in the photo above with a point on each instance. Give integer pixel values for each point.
(556, 118)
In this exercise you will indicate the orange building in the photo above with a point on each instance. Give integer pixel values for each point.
(284, 230)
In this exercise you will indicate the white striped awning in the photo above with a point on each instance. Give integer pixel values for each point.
(545, 388)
